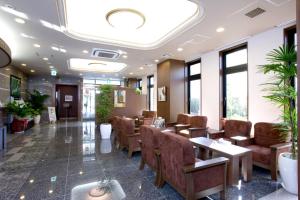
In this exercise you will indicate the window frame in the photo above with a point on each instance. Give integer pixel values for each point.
(192, 78)
(231, 70)
(149, 86)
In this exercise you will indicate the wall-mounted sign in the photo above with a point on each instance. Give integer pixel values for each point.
(68, 98)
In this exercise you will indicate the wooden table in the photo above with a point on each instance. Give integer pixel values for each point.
(232, 152)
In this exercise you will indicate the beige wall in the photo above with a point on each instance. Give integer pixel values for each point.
(5, 82)
(259, 108)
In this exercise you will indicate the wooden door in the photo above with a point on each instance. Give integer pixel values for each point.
(67, 101)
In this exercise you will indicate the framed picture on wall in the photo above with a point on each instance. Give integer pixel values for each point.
(162, 93)
(120, 98)
(15, 87)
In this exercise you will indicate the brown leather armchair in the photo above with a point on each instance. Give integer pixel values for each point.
(147, 117)
(149, 144)
(267, 144)
(192, 178)
(183, 122)
(197, 127)
(233, 128)
(129, 137)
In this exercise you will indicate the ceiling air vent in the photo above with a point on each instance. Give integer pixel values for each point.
(104, 53)
(255, 12)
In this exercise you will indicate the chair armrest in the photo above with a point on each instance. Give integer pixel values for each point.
(171, 124)
(244, 142)
(281, 146)
(205, 164)
(134, 135)
(197, 129)
(179, 127)
(214, 134)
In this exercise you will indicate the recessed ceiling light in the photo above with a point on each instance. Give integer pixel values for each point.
(85, 51)
(7, 69)
(141, 68)
(156, 61)
(124, 18)
(50, 191)
(63, 50)
(51, 67)
(23, 64)
(131, 73)
(220, 29)
(31, 181)
(32, 70)
(51, 26)
(37, 45)
(123, 77)
(179, 49)
(20, 21)
(45, 59)
(26, 36)
(55, 48)
(22, 197)
(53, 72)
(10, 9)
(125, 56)
(80, 74)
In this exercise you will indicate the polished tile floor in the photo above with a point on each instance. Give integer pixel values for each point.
(55, 161)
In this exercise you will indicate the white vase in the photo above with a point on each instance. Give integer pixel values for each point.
(37, 119)
(105, 146)
(105, 130)
(288, 169)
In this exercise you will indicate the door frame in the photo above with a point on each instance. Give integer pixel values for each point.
(79, 116)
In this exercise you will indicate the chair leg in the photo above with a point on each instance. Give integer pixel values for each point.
(142, 164)
(160, 182)
(274, 174)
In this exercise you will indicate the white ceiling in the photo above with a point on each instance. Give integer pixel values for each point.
(195, 41)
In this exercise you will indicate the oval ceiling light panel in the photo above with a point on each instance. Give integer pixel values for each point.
(144, 24)
(87, 65)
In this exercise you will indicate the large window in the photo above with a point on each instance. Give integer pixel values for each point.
(151, 92)
(140, 84)
(194, 87)
(235, 83)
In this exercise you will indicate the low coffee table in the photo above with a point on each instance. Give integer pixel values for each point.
(232, 152)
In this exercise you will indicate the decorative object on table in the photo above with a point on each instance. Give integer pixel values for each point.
(104, 109)
(162, 93)
(15, 87)
(281, 91)
(120, 98)
(37, 100)
(5, 54)
(52, 114)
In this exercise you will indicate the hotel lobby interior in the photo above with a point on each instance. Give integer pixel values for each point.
(149, 100)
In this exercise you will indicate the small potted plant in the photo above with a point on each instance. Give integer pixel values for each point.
(104, 109)
(37, 100)
(283, 93)
(19, 109)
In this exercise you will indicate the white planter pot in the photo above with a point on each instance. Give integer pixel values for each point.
(105, 130)
(288, 172)
(105, 146)
(37, 119)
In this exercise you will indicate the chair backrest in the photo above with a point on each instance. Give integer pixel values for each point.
(268, 134)
(175, 152)
(198, 121)
(237, 128)
(149, 137)
(183, 118)
(128, 126)
(149, 114)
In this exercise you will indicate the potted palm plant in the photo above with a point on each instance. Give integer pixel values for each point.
(282, 92)
(104, 109)
(37, 100)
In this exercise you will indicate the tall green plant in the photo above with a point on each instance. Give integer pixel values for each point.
(281, 91)
(37, 100)
(105, 103)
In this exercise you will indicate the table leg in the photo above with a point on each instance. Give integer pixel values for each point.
(203, 153)
(233, 171)
(247, 166)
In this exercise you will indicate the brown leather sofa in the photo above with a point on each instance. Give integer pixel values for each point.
(267, 144)
(233, 128)
(197, 128)
(129, 136)
(149, 144)
(192, 178)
